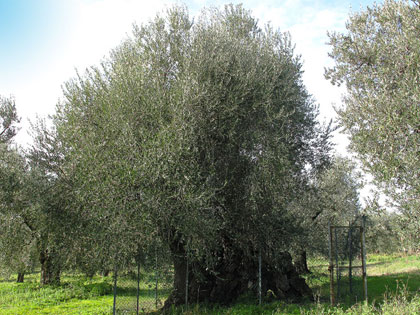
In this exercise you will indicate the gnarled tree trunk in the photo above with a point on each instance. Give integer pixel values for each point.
(232, 277)
(301, 262)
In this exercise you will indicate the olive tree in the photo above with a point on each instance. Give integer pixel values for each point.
(332, 196)
(378, 61)
(50, 194)
(16, 240)
(8, 119)
(198, 135)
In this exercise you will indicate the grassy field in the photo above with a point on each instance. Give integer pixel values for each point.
(76, 295)
(393, 287)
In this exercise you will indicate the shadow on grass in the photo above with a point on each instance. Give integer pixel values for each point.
(378, 286)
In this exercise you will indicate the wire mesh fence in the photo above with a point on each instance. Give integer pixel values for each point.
(144, 285)
(347, 267)
(318, 275)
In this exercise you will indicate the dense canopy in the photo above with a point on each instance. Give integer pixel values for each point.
(378, 61)
(196, 136)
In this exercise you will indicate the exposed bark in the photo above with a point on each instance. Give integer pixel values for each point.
(234, 276)
(178, 253)
(20, 277)
(50, 268)
(301, 262)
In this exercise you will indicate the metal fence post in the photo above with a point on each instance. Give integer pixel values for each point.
(138, 286)
(363, 252)
(156, 278)
(336, 263)
(350, 258)
(259, 276)
(186, 286)
(115, 291)
(331, 267)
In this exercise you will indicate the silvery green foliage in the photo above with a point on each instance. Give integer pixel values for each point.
(189, 132)
(333, 196)
(384, 229)
(56, 220)
(8, 119)
(14, 236)
(378, 60)
(17, 244)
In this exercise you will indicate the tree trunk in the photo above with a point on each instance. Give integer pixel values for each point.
(177, 296)
(235, 275)
(301, 263)
(20, 277)
(50, 269)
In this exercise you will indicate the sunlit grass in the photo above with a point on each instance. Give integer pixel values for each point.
(383, 265)
(397, 291)
(393, 288)
(77, 294)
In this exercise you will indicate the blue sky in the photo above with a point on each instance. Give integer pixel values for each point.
(42, 42)
(30, 32)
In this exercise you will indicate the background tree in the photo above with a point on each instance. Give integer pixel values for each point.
(50, 192)
(332, 196)
(30, 213)
(378, 61)
(8, 119)
(385, 229)
(16, 240)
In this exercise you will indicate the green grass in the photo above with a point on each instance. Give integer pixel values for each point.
(385, 265)
(76, 295)
(387, 276)
(393, 287)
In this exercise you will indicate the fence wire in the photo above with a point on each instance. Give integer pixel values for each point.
(348, 283)
(143, 286)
